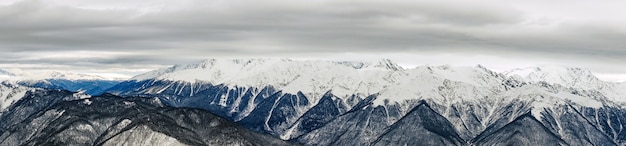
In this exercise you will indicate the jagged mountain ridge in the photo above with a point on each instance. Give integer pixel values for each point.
(473, 99)
(57, 117)
(571, 77)
(313, 78)
(10, 94)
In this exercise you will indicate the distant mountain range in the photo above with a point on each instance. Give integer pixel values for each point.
(90, 84)
(348, 103)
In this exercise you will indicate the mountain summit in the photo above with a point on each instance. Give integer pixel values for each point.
(315, 102)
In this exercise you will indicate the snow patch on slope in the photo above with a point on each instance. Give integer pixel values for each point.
(10, 95)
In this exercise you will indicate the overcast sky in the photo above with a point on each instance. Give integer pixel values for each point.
(127, 37)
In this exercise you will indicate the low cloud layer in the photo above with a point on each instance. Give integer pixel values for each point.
(91, 34)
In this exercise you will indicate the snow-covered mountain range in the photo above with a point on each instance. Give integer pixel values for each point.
(321, 103)
(571, 77)
(90, 84)
(19, 74)
(316, 102)
(390, 81)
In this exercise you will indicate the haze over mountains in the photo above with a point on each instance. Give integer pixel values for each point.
(329, 103)
(91, 84)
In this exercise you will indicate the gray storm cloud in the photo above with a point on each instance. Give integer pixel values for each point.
(142, 34)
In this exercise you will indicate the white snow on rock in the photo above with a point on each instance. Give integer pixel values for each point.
(10, 95)
(310, 77)
(445, 84)
(571, 77)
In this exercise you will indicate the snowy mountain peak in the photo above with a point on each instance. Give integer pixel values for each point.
(484, 68)
(572, 78)
(315, 78)
(221, 67)
(550, 69)
(206, 63)
(312, 77)
(10, 94)
(384, 64)
(387, 64)
(210, 63)
(566, 76)
(353, 64)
